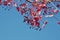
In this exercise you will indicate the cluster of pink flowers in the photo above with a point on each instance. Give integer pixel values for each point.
(34, 11)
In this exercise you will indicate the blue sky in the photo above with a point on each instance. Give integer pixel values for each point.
(13, 28)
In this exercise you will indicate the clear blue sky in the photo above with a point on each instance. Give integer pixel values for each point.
(13, 28)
